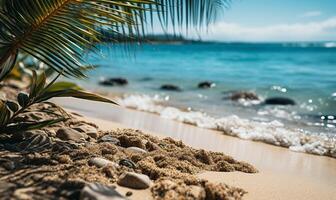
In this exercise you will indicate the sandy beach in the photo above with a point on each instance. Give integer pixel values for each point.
(283, 174)
(167, 100)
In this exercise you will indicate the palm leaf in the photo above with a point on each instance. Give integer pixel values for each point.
(57, 32)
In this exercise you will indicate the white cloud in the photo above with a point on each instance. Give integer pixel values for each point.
(314, 13)
(310, 31)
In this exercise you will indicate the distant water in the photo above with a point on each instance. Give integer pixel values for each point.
(304, 72)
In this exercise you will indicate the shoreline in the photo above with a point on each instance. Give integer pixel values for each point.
(273, 133)
(279, 168)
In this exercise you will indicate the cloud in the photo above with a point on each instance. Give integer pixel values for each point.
(309, 31)
(314, 13)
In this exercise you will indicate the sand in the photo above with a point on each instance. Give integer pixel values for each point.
(282, 174)
(60, 162)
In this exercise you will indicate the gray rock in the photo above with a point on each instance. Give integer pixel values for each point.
(206, 84)
(110, 139)
(96, 191)
(101, 162)
(134, 180)
(245, 95)
(114, 81)
(88, 130)
(70, 134)
(136, 150)
(279, 101)
(128, 163)
(170, 87)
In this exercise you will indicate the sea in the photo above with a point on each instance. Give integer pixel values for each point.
(304, 72)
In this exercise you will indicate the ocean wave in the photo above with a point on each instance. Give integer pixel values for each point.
(330, 45)
(273, 132)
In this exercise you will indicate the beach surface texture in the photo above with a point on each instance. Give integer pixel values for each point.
(282, 174)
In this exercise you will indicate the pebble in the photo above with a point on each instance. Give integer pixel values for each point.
(96, 191)
(110, 139)
(88, 130)
(134, 180)
(206, 84)
(136, 150)
(129, 193)
(127, 163)
(101, 162)
(170, 87)
(70, 134)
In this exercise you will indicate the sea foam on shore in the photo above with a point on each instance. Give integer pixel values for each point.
(272, 132)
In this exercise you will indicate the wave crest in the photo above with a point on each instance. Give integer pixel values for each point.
(273, 132)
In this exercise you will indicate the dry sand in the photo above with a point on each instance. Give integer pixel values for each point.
(283, 174)
(74, 158)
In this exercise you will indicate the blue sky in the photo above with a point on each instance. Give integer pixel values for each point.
(276, 20)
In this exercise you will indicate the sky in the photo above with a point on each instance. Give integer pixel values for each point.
(275, 20)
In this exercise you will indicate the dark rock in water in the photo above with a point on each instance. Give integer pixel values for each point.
(243, 95)
(146, 79)
(96, 191)
(134, 180)
(206, 84)
(70, 134)
(170, 87)
(279, 101)
(114, 81)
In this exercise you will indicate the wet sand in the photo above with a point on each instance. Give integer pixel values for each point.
(283, 174)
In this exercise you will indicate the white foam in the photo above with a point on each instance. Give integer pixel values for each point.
(273, 132)
(330, 44)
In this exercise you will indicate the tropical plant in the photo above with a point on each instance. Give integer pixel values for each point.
(59, 32)
(10, 120)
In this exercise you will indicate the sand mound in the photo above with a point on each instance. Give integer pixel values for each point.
(59, 161)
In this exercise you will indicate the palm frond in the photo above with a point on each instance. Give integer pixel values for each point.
(57, 32)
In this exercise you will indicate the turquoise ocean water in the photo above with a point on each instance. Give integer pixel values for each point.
(304, 72)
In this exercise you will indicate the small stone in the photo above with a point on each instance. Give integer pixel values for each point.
(96, 191)
(170, 87)
(129, 193)
(206, 84)
(70, 134)
(88, 130)
(114, 81)
(101, 162)
(110, 139)
(244, 95)
(127, 163)
(279, 101)
(134, 180)
(136, 150)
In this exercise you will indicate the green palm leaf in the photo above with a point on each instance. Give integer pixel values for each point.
(58, 32)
